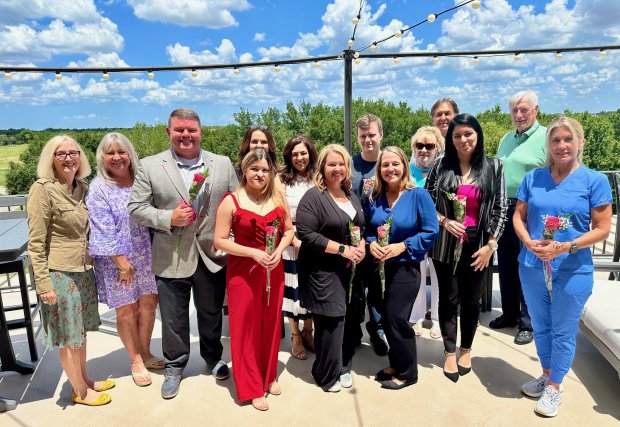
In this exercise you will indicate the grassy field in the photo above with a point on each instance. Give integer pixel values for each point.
(9, 153)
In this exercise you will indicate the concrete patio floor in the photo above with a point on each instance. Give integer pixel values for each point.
(489, 396)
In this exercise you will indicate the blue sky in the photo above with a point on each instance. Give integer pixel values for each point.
(117, 33)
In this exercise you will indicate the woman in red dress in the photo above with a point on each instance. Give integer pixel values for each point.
(254, 212)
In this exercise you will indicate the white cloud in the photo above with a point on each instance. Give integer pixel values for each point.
(15, 11)
(201, 13)
(90, 116)
(100, 59)
(259, 37)
(21, 42)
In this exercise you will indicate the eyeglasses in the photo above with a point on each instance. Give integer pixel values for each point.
(259, 127)
(429, 147)
(523, 111)
(61, 155)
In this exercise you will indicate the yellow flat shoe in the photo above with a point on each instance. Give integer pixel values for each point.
(102, 399)
(106, 385)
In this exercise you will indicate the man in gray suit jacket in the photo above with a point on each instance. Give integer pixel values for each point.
(183, 255)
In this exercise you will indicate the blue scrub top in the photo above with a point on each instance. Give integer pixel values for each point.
(414, 223)
(577, 194)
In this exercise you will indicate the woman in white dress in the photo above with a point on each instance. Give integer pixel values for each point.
(299, 162)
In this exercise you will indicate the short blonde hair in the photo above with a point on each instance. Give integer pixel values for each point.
(319, 177)
(573, 126)
(406, 181)
(429, 132)
(108, 140)
(45, 168)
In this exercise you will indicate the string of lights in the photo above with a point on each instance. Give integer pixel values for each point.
(476, 55)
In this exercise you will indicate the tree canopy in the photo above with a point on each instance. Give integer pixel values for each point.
(322, 123)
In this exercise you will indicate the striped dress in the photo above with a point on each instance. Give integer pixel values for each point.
(290, 305)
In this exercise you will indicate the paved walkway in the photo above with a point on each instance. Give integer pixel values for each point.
(489, 396)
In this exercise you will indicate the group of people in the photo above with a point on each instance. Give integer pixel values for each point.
(316, 240)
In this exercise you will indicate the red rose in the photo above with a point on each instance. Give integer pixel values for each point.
(199, 178)
(553, 223)
(270, 230)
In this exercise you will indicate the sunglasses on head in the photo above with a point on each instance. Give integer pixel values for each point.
(429, 147)
(258, 127)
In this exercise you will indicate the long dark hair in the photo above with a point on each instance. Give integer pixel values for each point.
(288, 170)
(245, 144)
(449, 171)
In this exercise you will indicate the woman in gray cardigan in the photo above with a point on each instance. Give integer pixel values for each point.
(325, 260)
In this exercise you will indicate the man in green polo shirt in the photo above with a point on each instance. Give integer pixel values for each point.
(521, 151)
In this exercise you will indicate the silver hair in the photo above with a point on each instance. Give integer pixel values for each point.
(108, 140)
(530, 95)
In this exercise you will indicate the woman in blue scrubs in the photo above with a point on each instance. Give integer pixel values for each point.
(565, 188)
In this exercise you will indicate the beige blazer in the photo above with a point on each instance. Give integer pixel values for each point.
(57, 230)
(156, 192)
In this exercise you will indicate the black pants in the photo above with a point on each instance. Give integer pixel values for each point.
(513, 302)
(464, 288)
(328, 338)
(402, 283)
(174, 295)
(366, 292)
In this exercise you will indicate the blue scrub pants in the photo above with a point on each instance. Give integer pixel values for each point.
(556, 320)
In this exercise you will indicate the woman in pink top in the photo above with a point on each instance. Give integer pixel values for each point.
(468, 190)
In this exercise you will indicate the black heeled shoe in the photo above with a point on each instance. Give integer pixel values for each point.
(462, 369)
(452, 376)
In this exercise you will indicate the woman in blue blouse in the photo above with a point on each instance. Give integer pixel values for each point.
(564, 189)
(413, 230)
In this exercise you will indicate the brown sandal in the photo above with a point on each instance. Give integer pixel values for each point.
(308, 339)
(301, 355)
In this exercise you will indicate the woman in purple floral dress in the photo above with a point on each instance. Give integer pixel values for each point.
(121, 249)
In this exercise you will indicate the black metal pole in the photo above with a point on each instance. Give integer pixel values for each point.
(348, 95)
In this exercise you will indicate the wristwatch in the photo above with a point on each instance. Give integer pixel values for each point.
(573, 247)
(492, 244)
(340, 249)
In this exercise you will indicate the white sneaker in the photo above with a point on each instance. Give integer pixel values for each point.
(417, 329)
(535, 388)
(548, 405)
(346, 381)
(335, 388)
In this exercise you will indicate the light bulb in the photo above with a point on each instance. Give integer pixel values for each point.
(475, 4)
(517, 56)
(373, 47)
(476, 60)
(356, 55)
(7, 75)
(58, 75)
(351, 41)
(431, 17)
(602, 53)
(396, 60)
(151, 75)
(278, 68)
(357, 61)
(105, 75)
(558, 54)
(317, 64)
(356, 20)
(194, 73)
(398, 34)
(236, 71)
(435, 59)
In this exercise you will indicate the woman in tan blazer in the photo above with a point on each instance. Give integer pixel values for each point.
(58, 247)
